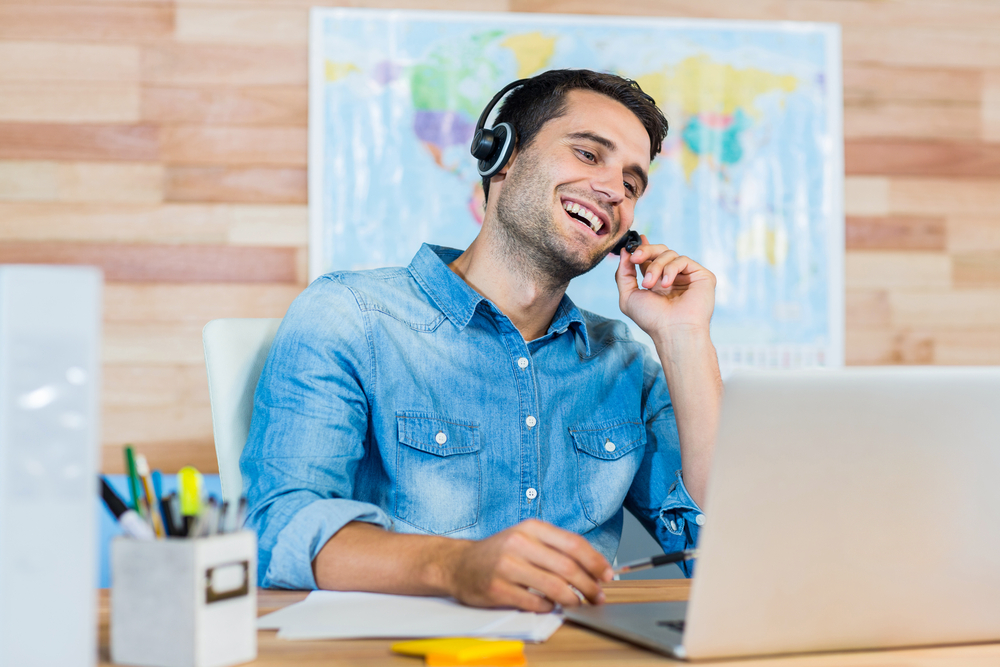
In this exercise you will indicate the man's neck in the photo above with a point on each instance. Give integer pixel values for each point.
(522, 294)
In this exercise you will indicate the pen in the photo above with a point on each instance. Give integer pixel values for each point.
(133, 479)
(657, 561)
(131, 523)
(152, 501)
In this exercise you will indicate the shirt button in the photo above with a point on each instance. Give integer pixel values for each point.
(609, 446)
(441, 438)
(700, 519)
(522, 363)
(530, 421)
(673, 525)
(531, 493)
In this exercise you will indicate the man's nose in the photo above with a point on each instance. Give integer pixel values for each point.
(610, 183)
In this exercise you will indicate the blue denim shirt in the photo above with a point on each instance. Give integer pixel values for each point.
(402, 398)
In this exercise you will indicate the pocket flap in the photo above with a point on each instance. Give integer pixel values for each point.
(437, 435)
(609, 441)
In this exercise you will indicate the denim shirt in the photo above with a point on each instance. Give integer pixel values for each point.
(401, 397)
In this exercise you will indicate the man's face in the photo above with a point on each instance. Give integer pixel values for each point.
(571, 194)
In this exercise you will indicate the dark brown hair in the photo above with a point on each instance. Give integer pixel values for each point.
(543, 98)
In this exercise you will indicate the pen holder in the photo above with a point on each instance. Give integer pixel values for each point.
(184, 602)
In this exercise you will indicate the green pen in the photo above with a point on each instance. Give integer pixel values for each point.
(133, 480)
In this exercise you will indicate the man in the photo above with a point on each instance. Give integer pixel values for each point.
(458, 427)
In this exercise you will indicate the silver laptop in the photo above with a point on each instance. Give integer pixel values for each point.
(847, 509)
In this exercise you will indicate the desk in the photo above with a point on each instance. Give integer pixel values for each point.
(570, 646)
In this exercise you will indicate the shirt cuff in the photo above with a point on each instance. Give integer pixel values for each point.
(307, 533)
(680, 521)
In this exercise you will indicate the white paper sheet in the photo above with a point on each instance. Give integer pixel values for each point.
(336, 615)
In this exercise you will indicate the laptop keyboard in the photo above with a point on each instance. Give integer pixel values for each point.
(673, 625)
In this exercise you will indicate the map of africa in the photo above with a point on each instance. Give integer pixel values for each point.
(749, 181)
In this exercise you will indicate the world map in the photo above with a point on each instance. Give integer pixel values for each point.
(748, 183)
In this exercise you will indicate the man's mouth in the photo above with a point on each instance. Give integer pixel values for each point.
(584, 215)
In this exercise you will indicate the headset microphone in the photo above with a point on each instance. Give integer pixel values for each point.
(494, 146)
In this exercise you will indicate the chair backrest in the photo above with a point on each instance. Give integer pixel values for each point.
(235, 352)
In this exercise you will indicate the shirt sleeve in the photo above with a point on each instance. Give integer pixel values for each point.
(308, 435)
(658, 497)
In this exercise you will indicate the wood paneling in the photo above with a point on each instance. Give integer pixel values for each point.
(871, 83)
(866, 195)
(991, 106)
(156, 263)
(194, 64)
(69, 102)
(110, 22)
(895, 233)
(235, 184)
(971, 159)
(49, 181)
(166, 142)
(197, 303)
(79, 142)
(897, 270)
(242, 25)
(211, 224)
(72, 63)
(235, 145)
(211, 105)
(908, 120)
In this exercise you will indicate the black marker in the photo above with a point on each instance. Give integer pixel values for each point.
(132, 524)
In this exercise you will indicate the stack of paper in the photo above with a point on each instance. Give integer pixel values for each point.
(335, 615)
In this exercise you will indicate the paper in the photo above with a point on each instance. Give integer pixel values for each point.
(336, 615)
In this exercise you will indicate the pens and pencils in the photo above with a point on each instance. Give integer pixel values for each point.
(657, 561)
(185, 513)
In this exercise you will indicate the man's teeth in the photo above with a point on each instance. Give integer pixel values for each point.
(584, 212)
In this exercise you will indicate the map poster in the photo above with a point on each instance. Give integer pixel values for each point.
(749, 182)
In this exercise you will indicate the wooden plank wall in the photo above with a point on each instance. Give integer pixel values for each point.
(166, 142)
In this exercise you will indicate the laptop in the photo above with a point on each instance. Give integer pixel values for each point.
(847, 509)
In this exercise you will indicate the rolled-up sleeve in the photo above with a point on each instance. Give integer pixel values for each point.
(658, 497)
(308, 435)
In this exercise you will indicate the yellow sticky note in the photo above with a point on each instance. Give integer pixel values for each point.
(464, 651)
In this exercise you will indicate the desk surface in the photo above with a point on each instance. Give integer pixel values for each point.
(570, 646)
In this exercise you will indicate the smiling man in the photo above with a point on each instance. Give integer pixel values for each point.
(458, 427)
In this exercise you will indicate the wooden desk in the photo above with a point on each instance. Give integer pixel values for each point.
(570, 646)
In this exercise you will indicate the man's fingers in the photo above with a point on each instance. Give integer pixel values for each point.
(573, 546)
(508, 594)
(566, 569)
(553, 587)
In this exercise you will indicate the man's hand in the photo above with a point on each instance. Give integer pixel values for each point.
(679, 294)
(529, 566)
(495, 572)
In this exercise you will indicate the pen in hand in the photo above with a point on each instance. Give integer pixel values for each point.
(657, 561)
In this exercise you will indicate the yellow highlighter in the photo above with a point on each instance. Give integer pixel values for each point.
(190, 484)
(465, 652)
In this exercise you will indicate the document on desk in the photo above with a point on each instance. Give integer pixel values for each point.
(337, 615)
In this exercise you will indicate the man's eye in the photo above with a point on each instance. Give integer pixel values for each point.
(631, 188)
(587, 155)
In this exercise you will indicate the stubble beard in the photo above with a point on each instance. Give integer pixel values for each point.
(527, 234)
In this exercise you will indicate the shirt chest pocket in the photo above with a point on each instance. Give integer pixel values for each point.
(608, 456)
(438, 473)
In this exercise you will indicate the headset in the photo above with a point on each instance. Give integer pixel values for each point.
(494, 146)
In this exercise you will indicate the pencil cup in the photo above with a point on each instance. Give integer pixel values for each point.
(184, 602)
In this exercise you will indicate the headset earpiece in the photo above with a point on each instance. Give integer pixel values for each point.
(493, 147)
(501, 145)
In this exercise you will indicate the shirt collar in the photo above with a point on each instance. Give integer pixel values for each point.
(458, 301)
(450, 293)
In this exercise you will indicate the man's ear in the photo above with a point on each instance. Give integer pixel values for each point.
(502, 174)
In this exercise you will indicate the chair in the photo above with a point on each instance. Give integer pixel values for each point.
(235, 352)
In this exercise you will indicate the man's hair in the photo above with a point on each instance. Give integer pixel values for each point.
(543, 98)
